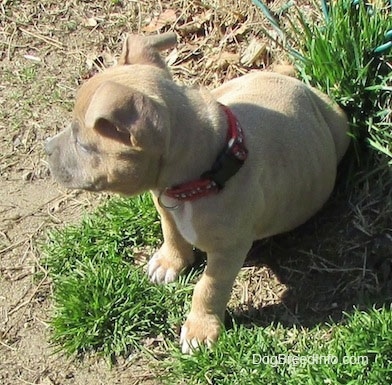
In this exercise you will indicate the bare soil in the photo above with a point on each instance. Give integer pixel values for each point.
(339, 259)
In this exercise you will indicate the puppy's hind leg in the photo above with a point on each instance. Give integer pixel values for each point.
(175, 254)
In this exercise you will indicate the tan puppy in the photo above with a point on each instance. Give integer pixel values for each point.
(134, 129)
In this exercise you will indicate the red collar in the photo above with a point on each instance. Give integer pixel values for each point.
(227, 164)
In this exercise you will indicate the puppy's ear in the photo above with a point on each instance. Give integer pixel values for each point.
(120, 113)
(145, 49)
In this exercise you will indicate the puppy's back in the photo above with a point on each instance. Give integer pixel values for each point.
(279, 92)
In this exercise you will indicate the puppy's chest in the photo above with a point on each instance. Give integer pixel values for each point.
(184, 219)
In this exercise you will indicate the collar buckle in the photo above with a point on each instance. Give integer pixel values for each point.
(228, 163)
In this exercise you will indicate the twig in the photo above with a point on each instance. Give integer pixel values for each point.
(14, 245)
(14, 310)
(48, 40)
(7, 346)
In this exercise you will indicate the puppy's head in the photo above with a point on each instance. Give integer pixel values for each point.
(119, 128)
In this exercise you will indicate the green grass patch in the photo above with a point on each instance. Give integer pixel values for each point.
(103, 301)
(360, 351)
(113, 232)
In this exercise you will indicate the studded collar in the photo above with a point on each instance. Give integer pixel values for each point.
(226, 165)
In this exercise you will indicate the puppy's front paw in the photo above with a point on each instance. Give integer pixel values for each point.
(165, 266)
(199, 330)
(160, 271)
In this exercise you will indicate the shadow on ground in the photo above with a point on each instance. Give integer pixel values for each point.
(339, 259)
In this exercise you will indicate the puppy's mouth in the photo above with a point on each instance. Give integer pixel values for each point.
(76, 182)
(92, 186)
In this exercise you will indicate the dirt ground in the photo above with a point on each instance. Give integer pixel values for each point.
(339, 259)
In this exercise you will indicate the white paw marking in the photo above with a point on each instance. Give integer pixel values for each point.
(159, 274)
(186, 345)
(190, 346)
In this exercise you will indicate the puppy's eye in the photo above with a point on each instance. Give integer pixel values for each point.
(75, 136)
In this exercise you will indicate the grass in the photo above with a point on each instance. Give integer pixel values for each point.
(113, 232)
(103, 299)
(338, 51)
(111, 308)
(104, 303)
(358, 351)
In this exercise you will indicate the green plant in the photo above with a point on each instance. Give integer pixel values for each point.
(114, 231)
(108, 307)
(344, 51)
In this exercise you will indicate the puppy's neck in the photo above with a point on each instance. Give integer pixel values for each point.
(197, 135)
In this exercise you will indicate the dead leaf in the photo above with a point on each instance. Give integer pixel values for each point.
(222, 60)
(157, 23)
(90, 22)
(32, 58)
(241, 30)
(196, 23)
(254, 53)
(284, 69)
(102, 60)
(172, 57)
(229, 57)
